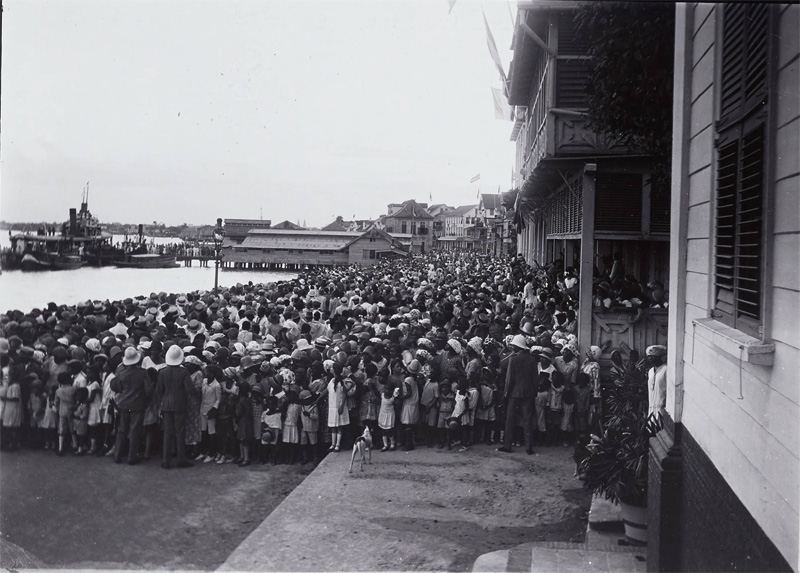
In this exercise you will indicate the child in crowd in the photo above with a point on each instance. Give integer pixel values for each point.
(80, 421)
(583, 397)
(37, 402)
(244, 424)
(211, 394)
(94, 402)
(309, 420)
(49, 423)
(447, 404)
(271, 425)
(541, 400)
(555, 407)
(386, 416)
(227, 407)
(291, 426)
(65, 404)
(468, 419)
(429, 414)
(485, 411)
(12, 410)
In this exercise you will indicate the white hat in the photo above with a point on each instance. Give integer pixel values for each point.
(519, 342)
(131, 356)
(656, 350)
(174, 356)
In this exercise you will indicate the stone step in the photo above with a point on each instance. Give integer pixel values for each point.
(559, 557)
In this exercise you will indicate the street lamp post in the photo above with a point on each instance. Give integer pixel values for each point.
(219, 235)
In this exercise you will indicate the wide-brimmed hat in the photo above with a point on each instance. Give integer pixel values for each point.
(174, 356)
(520, 342)
(131, 356)
(414, 366)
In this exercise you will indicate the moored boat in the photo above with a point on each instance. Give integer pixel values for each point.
(147, 261)
(45, 261)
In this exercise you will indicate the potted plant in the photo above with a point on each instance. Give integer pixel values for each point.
(616, 466)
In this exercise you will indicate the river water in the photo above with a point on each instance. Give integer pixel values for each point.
(23, 291)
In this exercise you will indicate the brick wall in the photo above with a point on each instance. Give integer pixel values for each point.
(717, 532)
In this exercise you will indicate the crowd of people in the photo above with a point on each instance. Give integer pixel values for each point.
(445, 350)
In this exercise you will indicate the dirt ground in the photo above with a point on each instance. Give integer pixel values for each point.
(87, 512)
(423, 510)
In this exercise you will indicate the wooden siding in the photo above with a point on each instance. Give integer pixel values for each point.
(745, 416)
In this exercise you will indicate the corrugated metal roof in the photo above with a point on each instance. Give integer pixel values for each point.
(304, 242)
(297, 233)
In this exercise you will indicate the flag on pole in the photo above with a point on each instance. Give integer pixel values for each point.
(493, 51)
(450, 3)
(474, 179)
(501, 108)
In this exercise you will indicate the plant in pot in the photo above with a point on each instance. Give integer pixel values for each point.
(616, 465)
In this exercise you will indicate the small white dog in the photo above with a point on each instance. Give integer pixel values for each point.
(362, 448)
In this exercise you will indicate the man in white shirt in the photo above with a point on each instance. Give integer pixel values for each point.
(657, 378)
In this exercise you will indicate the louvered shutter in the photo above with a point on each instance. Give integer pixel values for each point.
(571, 74)
(740, 166)
(618, 202)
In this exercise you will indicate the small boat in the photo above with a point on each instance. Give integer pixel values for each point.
(147, 261)
(44, 261)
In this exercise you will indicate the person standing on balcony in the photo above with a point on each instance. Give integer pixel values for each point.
(656, 379)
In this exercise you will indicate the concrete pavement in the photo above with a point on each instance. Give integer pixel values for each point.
(428, 509)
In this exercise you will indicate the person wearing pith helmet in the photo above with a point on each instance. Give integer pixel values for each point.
(134, 389)
(520, 391)
(172, 391)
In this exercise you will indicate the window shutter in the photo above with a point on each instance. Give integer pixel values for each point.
(749, 227)
(733, 62)
(740, 166)
(727, 166)
(744, 61)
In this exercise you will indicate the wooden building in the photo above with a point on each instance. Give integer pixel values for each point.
(293, 249)
(582, 197)
(725, 472)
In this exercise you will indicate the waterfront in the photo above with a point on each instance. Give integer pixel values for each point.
(26, 290)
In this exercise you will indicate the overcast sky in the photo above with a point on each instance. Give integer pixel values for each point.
(185, 111)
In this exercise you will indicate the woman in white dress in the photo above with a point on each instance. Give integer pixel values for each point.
(338, 415)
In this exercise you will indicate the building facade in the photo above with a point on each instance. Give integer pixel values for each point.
(583, 198)
(455, 224)
(724, 473)
(410, 218)
(293, 249)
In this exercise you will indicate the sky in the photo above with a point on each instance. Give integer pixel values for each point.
(182, 111)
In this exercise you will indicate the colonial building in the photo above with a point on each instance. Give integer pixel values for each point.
(410, 218)
(583, 198)
(455, 223)
(724, 474)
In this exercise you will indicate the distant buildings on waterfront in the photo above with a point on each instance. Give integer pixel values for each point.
(407, 227)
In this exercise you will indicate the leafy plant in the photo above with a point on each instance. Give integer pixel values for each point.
(616, 466)
(629, 87)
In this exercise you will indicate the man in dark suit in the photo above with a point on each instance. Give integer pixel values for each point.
(520, 392)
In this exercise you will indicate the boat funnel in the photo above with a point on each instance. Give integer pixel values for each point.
(73, 222)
